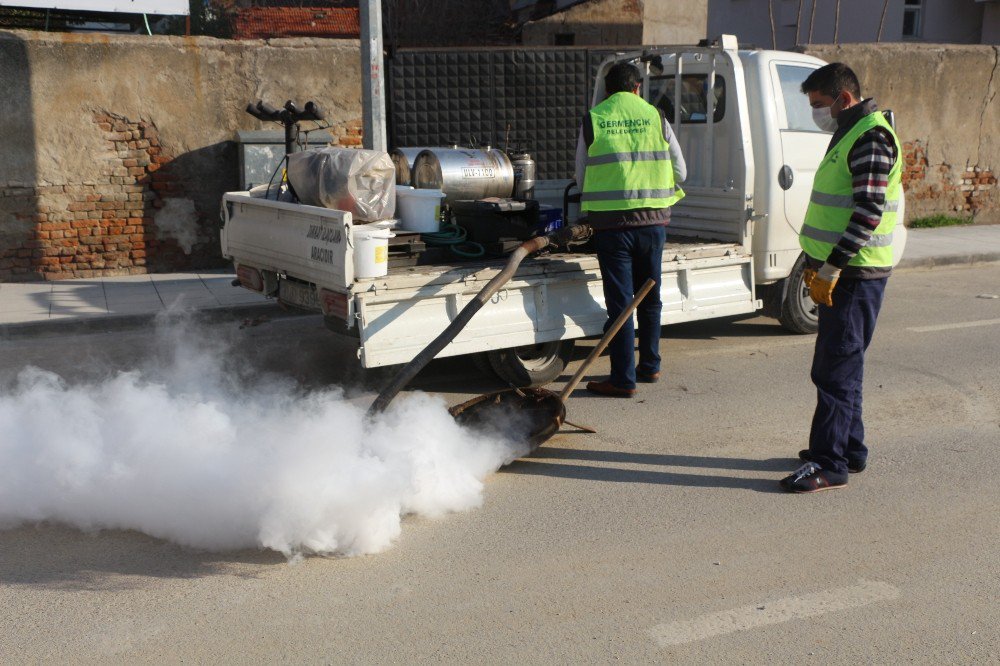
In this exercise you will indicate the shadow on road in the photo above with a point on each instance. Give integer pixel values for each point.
(534, 466)
(61, 557)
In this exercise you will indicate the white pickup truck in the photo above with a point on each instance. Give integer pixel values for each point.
(732, 245)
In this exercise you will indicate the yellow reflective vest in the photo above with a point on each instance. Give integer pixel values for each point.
(628, 163)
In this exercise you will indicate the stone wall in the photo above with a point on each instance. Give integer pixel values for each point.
(947, 116)
(118, 149)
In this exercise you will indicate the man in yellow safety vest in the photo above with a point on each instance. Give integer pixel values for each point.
(628, 167)
(847, 238)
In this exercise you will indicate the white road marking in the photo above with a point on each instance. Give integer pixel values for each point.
(773, 612)
(948, 327)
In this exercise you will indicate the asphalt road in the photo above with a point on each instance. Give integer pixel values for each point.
(661, 539)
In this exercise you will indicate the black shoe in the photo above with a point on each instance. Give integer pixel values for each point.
(811, 478)
(853, 466)
(606, 388)
(650, 378)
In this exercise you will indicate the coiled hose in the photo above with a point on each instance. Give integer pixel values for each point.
(454, 238)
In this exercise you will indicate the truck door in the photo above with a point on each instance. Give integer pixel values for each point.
(803, 143)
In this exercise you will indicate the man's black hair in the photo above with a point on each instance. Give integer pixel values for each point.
(623, 77)
(833, 79)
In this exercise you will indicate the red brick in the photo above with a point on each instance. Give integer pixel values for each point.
(55, 226)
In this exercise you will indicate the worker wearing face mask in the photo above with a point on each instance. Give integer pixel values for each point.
(847, 238)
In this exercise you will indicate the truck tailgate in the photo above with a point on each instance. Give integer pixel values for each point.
(312, 244)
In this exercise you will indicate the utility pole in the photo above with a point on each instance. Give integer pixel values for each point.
(372, 76)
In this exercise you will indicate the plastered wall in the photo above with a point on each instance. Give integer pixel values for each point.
(947, 115)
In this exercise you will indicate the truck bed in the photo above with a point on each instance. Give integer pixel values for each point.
(552, 297)
(303, 255)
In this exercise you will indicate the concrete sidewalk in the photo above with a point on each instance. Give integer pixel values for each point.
(130, 300)
(121, 301)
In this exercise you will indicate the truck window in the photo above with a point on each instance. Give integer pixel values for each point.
(798, 113)
(694, 103)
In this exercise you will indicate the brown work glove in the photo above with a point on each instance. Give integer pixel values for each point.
(808, 275)
(821, 287)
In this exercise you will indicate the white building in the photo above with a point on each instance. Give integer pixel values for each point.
(817, 21)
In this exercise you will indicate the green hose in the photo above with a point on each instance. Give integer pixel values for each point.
(454, 238)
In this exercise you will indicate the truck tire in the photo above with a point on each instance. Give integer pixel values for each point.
(531, 365)
(799, 314)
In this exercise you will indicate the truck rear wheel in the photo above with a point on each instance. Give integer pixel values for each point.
(531, 365)
(799, 314)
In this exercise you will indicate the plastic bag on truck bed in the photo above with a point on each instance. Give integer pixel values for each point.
(362, 182)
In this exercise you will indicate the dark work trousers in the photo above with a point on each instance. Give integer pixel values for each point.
(628, 258)
(845, 331)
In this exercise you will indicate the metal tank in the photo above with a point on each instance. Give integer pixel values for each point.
(464, 173)
(524, 175)
(403, 158)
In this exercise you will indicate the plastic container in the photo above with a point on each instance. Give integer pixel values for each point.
(418, 209)
(371, 251)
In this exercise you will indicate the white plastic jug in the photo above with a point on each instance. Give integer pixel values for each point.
(371, 251)
(418, 210)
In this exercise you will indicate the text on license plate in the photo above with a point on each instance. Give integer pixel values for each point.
(303, 296)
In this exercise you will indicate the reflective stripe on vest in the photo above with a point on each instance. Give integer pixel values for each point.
(832, 237)
(847, 201)
(628, 163)
(628, 194)
(831, 203)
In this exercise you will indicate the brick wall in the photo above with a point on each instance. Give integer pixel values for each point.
(116, 163)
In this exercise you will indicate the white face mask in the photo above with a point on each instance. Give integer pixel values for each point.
(823, 119)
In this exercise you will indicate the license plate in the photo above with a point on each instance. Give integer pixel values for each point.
(299, 295)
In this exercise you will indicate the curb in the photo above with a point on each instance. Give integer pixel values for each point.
(949, 260)
(110, 323)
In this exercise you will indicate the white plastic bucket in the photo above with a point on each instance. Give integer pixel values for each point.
(371, 251)
(418, 209)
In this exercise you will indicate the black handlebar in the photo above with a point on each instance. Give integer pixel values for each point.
(288, 115)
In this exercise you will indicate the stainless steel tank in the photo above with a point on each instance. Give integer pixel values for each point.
(464, 173)
(524, 175)
(403, 158)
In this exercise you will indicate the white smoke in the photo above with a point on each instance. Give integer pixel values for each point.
(178, 219)
(212, 459)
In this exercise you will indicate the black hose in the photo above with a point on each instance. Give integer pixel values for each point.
(410, 370)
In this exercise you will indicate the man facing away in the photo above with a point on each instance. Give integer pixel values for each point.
(847, 238)
(628, 164)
